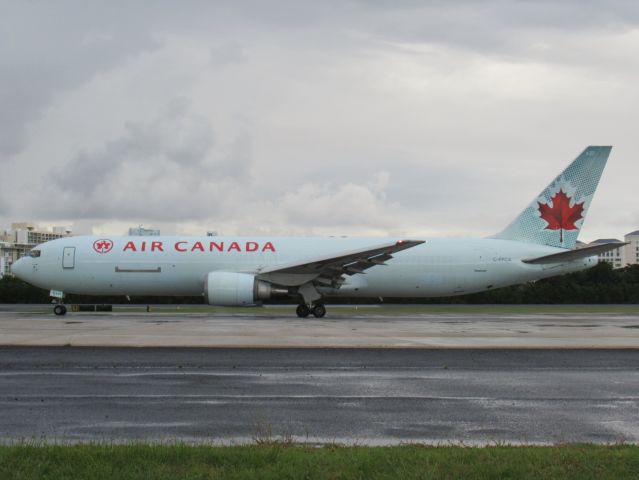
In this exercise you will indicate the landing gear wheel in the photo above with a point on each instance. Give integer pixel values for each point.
(319, 310)
(303, 311)
(60, 310)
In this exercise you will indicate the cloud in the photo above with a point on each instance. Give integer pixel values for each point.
(226, 54)
(164, 169)
(347, 117)
(46, 50)
(171, 171)
(510, 29)
(175, 140)
(347, 205)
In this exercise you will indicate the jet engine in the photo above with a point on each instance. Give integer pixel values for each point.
(232, 289)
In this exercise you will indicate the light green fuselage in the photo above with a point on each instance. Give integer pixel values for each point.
(179, 265)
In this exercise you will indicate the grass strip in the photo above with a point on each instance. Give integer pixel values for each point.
(281, 460)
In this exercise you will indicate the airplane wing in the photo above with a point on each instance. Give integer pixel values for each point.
(575, 254)
(329, 270)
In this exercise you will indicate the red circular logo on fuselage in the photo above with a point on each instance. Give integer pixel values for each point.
(103, 245)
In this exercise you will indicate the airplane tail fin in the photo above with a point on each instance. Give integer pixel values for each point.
(555, 217)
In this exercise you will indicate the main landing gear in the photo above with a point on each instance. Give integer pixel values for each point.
(318, 310)
(60, 309)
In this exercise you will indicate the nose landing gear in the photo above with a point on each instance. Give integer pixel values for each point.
(318, 310)
(58, 299)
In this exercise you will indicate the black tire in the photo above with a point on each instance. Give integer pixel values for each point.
(303, 311)
(319, 310)
(60, 310)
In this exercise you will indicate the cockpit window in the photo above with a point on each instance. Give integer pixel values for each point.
(34, 253)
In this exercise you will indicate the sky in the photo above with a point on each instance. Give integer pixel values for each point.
(416, 118)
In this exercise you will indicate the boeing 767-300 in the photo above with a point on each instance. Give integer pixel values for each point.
(240, 271)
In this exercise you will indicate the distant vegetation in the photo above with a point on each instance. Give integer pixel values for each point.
(600, 284)
(13, 290)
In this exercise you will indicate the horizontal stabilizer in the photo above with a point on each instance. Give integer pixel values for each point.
(570, 255)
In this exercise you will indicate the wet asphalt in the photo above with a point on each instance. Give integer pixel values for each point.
(361, 395)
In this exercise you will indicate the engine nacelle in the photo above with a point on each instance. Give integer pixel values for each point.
(232, 289)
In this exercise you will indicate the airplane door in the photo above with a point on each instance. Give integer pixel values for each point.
(68, 257)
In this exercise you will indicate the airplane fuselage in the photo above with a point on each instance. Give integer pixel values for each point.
(168, 266)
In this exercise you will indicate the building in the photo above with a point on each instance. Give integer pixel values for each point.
(143, 232)
(22, 237)
(622, 256)
(614, 257)
(631, 251)
(4, 258)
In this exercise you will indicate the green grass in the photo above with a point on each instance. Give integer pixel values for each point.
(281, 461)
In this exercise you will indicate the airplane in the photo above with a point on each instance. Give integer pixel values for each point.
(242, 271)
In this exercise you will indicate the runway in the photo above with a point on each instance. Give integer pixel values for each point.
(370, 376)
(363, 395)
(382, 327)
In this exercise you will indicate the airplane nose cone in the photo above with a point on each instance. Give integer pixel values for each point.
(19, 269)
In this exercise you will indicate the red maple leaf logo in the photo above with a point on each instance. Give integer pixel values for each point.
(561, 216)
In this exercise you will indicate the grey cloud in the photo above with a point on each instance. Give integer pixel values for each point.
(236, 163)
(45, 51)
(161, 169)
(187, 137)
(347, 204)
(516, 31)
(462, 103)
(495, 26)
(465, 22)
(227, 54)
(405, 19)
(430, 187)
(176, 137)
